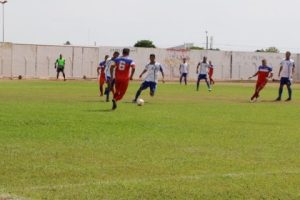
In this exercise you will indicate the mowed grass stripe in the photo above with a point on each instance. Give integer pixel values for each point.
(56, 133)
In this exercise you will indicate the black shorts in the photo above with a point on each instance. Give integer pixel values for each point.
(285, 81)
(60, 70)
(202, 76)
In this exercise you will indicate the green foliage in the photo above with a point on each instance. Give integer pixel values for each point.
(60, 141)
(196, 48)
(145, 44)
(269, 50)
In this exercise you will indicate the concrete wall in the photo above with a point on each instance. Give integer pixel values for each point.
(37, 61)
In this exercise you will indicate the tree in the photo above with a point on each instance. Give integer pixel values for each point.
(67, 43)
(145, 44)
(269, 50)
(272, 50)
(196, 48)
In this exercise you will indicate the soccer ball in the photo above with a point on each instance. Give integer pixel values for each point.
(140, 102)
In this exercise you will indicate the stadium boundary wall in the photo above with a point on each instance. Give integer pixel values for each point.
(37, 61)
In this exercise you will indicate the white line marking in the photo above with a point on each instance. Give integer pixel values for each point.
(10, 197)
(170, 178)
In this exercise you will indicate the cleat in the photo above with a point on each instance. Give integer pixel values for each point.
(278, 99)
(209, 89)
(289, 99)
(114, 107)
(133, 101)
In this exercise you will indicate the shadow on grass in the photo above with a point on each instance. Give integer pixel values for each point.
(100, 110)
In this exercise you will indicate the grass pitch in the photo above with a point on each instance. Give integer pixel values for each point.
(60, 141)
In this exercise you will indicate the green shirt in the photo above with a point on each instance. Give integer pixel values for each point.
(61, 63)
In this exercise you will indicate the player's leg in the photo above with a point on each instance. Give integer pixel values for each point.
(153, 86)
(181, 77)
(101, 85)
(282, 83)
(289, 84)
(64, 75)
(198, 82)
(255, 92)
(107, 89)
(207, 83)
(143, 86)
(57, 73)
(185, 78)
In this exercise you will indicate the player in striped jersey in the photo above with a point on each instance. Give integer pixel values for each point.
(264, 73)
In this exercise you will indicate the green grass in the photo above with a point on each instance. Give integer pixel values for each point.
(59, 141)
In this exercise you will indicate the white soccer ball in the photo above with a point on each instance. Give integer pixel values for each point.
(140, 102)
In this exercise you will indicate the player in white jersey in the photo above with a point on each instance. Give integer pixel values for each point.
(287, 69)
(110, 83)
(203, 73)
(184, 70)
(151, 80)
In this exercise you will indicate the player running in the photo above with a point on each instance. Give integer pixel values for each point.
(60, 66)
(109, 81)
(211, 73)
(184, 70)
(101, 74)
(122, 68)
(286, 72)
(151, 79)
(264, 72)
(203, 73)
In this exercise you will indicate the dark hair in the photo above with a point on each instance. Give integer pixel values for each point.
(152, 55)
(126, 51)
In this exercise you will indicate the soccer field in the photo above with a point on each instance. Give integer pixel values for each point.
(60, 141)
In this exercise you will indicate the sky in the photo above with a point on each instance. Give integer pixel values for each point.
(240, 25)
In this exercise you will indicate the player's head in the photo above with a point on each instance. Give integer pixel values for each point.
(184, 60)
(210, 62)
(264, 62)
(116, 54)
(204, 59)
(126, 52)
(60, 56)
(106, 57)
(288, 55)
(152, 58)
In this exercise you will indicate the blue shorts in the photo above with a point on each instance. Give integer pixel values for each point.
(147, 84)
(202, 76)
(285, 81)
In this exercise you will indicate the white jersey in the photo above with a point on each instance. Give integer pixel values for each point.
(204, 68)
(287, 68)
(184, 68)
(108, 65)
(152, 72)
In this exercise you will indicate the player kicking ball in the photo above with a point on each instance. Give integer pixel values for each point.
(151, 79)
(121, 66)
(264, 73)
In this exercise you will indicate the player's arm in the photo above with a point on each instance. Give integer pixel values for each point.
(162, 74)
(293, 70)
(112, 68)
(132, 71)
(141, 75)
(253, 75)
(198, 68)
(55, 64)
(98, 71)
(271, 75)
(280, 70)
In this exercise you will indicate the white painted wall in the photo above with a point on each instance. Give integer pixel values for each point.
(37, 61)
